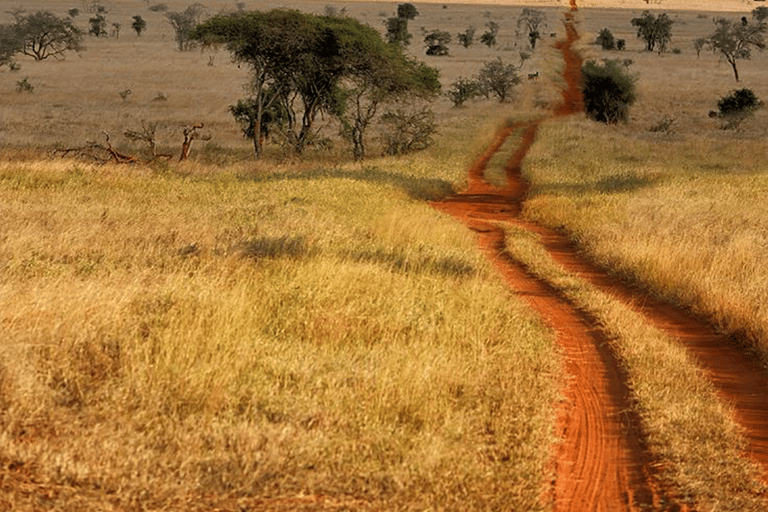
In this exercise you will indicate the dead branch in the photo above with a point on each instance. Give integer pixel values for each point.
(101, 153)
(190, 134)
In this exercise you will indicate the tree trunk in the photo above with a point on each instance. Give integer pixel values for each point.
(358, 144)
(735, 71)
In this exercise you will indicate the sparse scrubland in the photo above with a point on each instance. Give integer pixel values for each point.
(308, 333)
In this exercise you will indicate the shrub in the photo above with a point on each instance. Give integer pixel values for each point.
(98, 26)
(397, 31)
(737, 106)
(462, 90)
(25, 86)
(605, 39)
(467, 37)
(489, 36)
(608, 91)
(409, 130)
(138, 24)
(498, 79)
(738, 102)
(621, 44)
(437, 42)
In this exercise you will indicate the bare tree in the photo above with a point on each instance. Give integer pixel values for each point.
(183, 23)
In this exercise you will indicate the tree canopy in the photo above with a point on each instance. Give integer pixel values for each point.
(734, 40)
(321, 61)
(656, 31)
(39, 35)
(407, 11)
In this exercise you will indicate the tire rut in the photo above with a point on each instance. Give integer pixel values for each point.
(601, 464)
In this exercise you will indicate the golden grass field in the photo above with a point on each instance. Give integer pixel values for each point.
(309, 334)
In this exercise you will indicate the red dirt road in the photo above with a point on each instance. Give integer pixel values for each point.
(601, 464)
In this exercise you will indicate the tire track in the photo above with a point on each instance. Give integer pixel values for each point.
(601, 464)
(739, 378)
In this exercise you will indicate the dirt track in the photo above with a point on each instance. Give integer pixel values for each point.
(601, 464)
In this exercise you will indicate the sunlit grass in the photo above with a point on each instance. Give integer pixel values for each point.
(685, 220)
(690, 434)
(290, 332)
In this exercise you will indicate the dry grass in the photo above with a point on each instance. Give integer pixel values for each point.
(684, 219)
(192, 336)
(213, 334)
(696, 447)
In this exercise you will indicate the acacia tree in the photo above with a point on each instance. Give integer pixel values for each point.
(734, 40)
(489, 36)
(40, 35)
(378, 75)
(437, 42)
(138, 24)
(302, 58)
(656, 31)
(467, 37)
(407, 11)
(498, 79)
(397, 31)
(533, 21)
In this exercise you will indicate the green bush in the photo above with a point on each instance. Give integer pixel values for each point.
(741, 102)
(605, 39)
(736, 107)
(608, 89)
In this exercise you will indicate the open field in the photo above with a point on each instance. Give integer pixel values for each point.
(310, 334)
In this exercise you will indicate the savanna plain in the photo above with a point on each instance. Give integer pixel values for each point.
(308, 332)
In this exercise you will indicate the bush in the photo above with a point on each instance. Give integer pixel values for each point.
(437, 42)
(98, 26)
(462, 90)
(409, 131)
(737, 106)
(25, 86)
(605, 39)
(738, 103)
(498, 79)
(608, 91)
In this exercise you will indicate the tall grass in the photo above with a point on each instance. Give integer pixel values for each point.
(685, 220)
(225, 333)
(696, 447)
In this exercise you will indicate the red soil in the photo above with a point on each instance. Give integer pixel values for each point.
(601, 464)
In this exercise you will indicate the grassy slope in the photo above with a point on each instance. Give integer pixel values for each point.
(685, 219)
(292, 331)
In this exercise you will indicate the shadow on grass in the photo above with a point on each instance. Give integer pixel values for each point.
(399, 262)
(265, 247)
(423, 189)
(617, 184)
